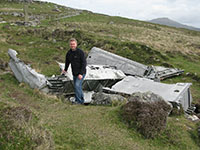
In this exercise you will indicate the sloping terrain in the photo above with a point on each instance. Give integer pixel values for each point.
(47, 122)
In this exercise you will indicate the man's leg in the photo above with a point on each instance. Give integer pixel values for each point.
(78, 89)
(74, 79)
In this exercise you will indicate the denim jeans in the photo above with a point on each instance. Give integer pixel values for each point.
(79, 97)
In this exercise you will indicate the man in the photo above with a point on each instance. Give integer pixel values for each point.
(76, 58)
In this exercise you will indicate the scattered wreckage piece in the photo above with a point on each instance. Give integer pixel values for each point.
(129, 67)
(87, 97)
(96, 72)
(178, 93)
(193, 118)
(62, 85)
(24, 73)
(191, 110)
(98, 56)
(161, 73)
(101, 98)
(96, 78)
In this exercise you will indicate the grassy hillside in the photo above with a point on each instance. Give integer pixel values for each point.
(32, 120)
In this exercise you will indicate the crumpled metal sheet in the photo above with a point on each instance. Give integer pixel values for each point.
(178, 93)
(97, 77)
(161, 73)
(97, 72)
(25, 73)
(63, 85)
(99, 56)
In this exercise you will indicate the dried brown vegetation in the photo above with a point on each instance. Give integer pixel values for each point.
(149, 117)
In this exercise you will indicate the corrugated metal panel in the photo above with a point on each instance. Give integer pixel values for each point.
(98, 56)
(177, 93)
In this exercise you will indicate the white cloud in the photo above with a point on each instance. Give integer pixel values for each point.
(183, 11)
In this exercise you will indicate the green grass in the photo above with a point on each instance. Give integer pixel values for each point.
(189, 64)
(92, 127)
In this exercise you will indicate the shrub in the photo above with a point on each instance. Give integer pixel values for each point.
(149, 117)
(19, 131)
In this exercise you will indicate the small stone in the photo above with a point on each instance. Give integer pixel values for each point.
(54, 40)
(192, 117)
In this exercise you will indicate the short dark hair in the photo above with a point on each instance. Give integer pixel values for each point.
(72, 39)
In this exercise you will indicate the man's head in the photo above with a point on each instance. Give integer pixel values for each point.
(73, 43)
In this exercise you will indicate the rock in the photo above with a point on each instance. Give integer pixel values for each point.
(31, 42)
(17, 14)
(60, 47)
(192, 117)
(147, 97)
(101, 98)
(22, 23)
(31, 23)
(111, 22)
(3, 22)
(54, 41)
(56, 10)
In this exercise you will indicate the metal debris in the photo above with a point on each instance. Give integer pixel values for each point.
(107, 78)
(192, 117)
(25, 73)
(63, 85)
(161, 73)
(175, 93)
(98, 56)
(190, 110)
(96, 78)
(97, 72)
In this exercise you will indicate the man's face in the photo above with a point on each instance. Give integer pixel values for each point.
(73, 45)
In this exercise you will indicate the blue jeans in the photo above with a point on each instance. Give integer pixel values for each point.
(79, 97)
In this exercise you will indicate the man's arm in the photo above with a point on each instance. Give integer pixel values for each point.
(83, 63)
(67, 62)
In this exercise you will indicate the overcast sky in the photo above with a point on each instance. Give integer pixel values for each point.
(183, 11)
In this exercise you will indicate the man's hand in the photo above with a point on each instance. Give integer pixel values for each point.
(80, 76)
(63, 72)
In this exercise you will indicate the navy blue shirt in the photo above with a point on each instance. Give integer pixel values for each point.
(77, 60)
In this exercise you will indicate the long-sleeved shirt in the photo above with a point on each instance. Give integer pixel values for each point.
(77, 60)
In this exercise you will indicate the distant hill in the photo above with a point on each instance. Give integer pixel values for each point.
(172, 23)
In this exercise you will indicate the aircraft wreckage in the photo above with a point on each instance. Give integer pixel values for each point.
(107, 72)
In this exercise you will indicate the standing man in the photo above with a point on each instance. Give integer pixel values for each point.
(76, 58)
